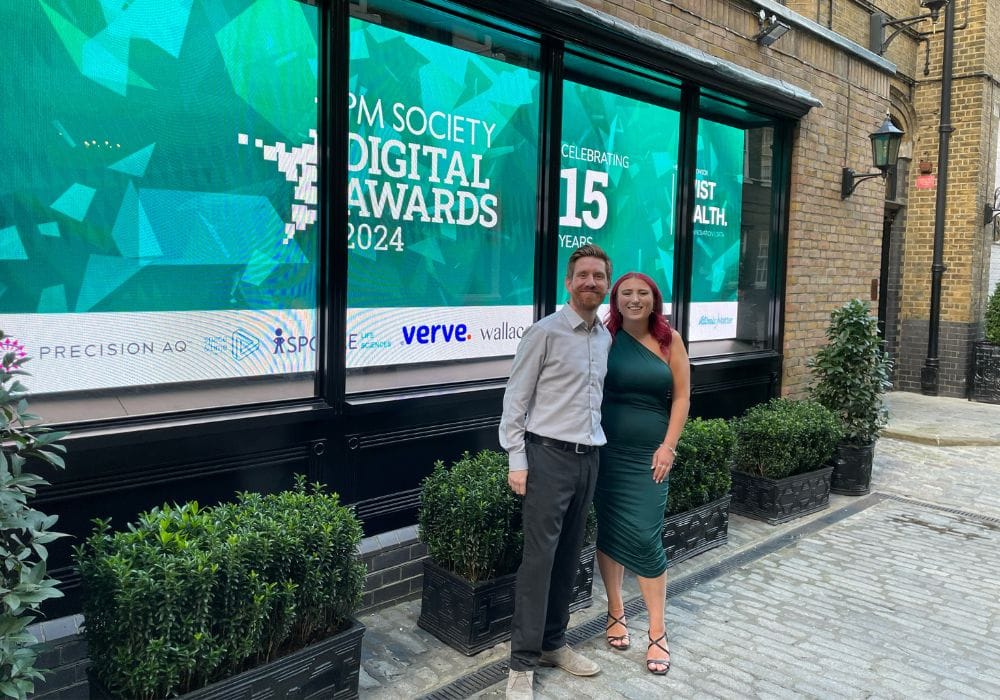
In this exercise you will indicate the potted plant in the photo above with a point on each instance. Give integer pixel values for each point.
(781, 447)
(230, 601)
(852, 374)
(697, 515)
(470, 521)
(24, 531)
(986, 362)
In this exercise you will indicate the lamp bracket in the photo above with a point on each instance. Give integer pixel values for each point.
(849, 180)
(879, 23)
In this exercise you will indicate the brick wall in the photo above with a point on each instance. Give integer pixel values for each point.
(63, 652)
(966, 245)
(954, 354)
(834, 246)
(976, 118)
(394, 561)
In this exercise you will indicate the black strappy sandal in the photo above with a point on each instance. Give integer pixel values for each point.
(651, 664)
(619, 642)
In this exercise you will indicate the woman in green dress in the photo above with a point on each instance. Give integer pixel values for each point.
(646, 402)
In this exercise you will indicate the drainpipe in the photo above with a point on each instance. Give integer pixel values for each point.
(929, 373)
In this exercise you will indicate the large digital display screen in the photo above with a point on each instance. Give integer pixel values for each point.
(443, 166)
(159, 195)
(619, 188)
(715, 259)
(619, 181)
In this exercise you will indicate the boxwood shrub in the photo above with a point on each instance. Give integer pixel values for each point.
(992, 320)
(785, 437)
(188, 595)
(702, 470)
(469, 518)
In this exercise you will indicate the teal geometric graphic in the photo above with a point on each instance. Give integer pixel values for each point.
(633, 144)
(267, 73)
(160, 22)
(469, 244)
(715, 256)
(61, 130)
(428, 248)
(103, 275)
(105, 61)
(135, 164)
(132, 232)
(53, 299)
(197, 227)
(50, 229)
(75, 201)
(258, 269)
(11, 247)
(103, 58)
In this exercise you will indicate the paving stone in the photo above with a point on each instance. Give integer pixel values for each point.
(897, 600)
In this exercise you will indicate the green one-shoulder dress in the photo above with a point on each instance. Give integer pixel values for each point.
(629, 503)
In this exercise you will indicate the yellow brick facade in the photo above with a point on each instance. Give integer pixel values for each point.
(834, 246)
(975, 118)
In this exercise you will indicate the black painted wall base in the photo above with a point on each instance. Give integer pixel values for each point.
(955, 342)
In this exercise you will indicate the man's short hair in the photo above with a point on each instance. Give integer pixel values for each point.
(588, 251)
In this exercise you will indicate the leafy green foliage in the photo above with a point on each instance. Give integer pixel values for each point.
(470, 520)
(993, 316)
(189, 595)
(785, 437)
(701, 471)
(852, 372)
(24, 531)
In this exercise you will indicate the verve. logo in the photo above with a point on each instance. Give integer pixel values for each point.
(438, 332)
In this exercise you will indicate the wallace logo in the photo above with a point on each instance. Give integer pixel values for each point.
(439, 332)
(11, 347)
(505, 331)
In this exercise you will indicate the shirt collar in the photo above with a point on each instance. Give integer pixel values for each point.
(574, 320)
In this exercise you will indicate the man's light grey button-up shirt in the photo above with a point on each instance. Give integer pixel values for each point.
(556, 384)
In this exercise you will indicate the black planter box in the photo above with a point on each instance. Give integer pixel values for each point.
(327, 669)
(852, 469)
(695, 531)
(986, 372)
(470, 617)
(780, 500)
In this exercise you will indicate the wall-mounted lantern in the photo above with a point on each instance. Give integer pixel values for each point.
(885, 152)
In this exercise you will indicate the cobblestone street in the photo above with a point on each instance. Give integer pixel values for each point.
(891, 595)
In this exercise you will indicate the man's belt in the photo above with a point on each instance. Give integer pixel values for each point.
(578, 448)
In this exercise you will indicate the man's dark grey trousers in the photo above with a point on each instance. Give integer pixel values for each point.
(559, 492)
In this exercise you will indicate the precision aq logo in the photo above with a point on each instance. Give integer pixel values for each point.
(11, 346)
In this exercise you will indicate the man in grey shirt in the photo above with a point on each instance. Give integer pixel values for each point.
(551, 429)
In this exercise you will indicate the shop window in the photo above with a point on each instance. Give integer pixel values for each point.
(620, 134)
(443, 169)
(732, 264)
(158, 208)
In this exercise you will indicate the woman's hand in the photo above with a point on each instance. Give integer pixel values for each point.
(663, 460)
